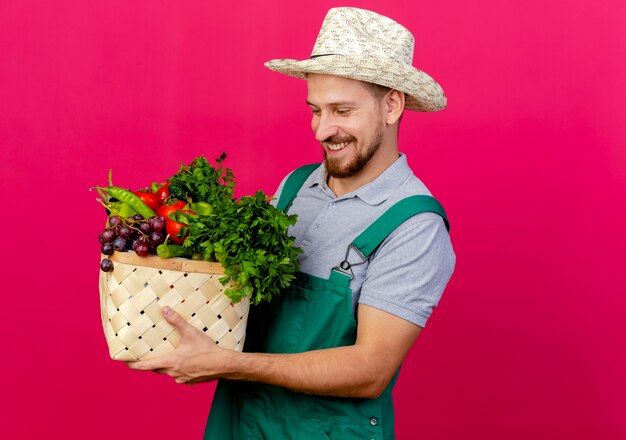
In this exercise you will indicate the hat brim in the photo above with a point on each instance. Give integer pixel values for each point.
(423, 93)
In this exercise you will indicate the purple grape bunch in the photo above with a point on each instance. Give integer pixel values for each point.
(136, 234)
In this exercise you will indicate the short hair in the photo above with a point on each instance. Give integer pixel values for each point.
(378, 92)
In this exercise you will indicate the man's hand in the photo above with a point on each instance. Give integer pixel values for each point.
(196, 358)
(360, 370)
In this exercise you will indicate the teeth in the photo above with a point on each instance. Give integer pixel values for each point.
(337, 147)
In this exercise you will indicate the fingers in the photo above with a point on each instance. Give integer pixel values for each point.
(197, 380)
(175, 320)
(155, 364)
(186, 330)
(138, 365)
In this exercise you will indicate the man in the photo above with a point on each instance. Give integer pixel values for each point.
(376, 253)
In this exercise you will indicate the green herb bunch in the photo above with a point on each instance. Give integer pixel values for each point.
(199, 181)
(248, 236)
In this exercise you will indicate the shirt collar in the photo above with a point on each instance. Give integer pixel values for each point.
(374, 192)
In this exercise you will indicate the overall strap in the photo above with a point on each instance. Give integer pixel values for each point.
(406, 208)
(367, 242)
(293, 184)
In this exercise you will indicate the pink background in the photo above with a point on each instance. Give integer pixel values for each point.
(528, 159)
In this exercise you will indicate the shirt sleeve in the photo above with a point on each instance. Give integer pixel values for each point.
(409, 271)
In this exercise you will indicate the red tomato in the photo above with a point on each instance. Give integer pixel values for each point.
(165, 210)
(149, 198)
(163, 192)
(174, 228)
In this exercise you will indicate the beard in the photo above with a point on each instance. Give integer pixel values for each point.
(337, 169)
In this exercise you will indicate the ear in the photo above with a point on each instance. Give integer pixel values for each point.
(394, 106)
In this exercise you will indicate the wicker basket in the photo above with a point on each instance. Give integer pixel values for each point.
(132, 295)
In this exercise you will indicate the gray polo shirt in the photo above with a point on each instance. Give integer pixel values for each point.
(407, 274)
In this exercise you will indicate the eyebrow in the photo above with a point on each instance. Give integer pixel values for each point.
(334, 104)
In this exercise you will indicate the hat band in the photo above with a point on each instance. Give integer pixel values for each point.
(322, 55)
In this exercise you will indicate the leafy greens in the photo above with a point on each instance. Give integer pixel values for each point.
(248, 236)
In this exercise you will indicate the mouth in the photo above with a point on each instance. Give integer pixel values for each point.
(336, 147)
(337, 144)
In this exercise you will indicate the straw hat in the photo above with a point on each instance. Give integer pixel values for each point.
(363, 45)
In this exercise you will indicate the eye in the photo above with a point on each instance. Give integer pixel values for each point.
(342, 111)
(315, 111)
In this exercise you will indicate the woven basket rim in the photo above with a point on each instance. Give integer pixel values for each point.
(180, 264)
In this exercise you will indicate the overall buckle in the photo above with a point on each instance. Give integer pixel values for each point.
(345, 268)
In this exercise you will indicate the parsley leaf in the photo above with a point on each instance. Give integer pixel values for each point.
(199, 181)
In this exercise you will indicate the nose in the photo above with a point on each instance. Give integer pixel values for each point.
(324, 127)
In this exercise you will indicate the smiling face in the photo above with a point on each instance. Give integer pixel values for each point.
(346, 165)
(350, 124)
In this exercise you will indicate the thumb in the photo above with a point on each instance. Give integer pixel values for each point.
(175, 319)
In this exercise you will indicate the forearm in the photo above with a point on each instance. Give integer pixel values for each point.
(360, 370)
(344, 371)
